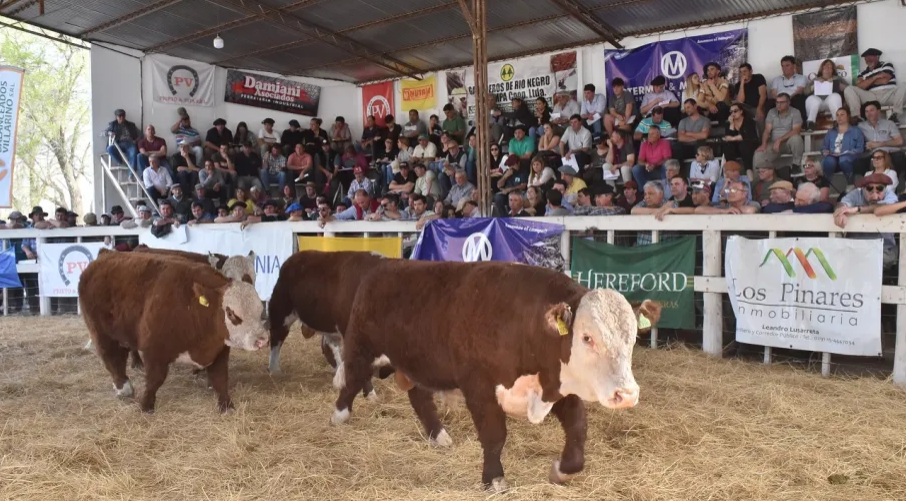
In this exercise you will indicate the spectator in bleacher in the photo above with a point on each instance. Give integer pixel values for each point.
(425, 151)
(751, 92)
(842, 146)
(662, 98)
(692, 131)
(520, 116)
(392, 130)
(217, 136)
(341, 136)
(536, 203)
(714, 94)
(620, 154)
(761, 188)
(877, 82)
(701, 193)
(243, 137)
(388, 211)
(268, 137)
(629, 197)
(654, 152)
(222, 211)
(325, 158)
(426, 183)
(880, 133)
(549, 142)
(825, 99)
(814, 175)
(735, 199)
(213, 181)
(200, 215)
(360, 182)
(460, 191)
(514, 179)
(576, 142)
(693, 87)
(454, 125)
(385, 163)
(270, 213)
(248, 166)
(808, 200)
(732, 173)
(653, 201)
(415, 127)
(406, 180)
(680, 201)
(291, 137)
(564, 109)
(257, 198)
(144, 219)
(247, 206)
(704, 168)
(871, 195)
(782, 129)
(790, 83)
(622, 110)
(288, 195)
(201, 196)
(300, 166)
(90, 219)
(882, 164)
(405, 152)
(187, 171)
(516, 205)
(435, 131)
(238, 212)
(106, 219)
(542, 114)
(274, 170)
(741, 139)
(419, 212)
(541, 175)
(594, 171)
(124, 134)
(167, 216)
(148, 144)
(116, 211)
(60, 219)
(780, 199)
(157, 181)
(559, 185)
(604, 203)
(593, 104)
(554, 201)
(584, 197)
(573, 183)
(655, 121)
(296, 213)
(181, 205)
(522, 145)
(470, 209)
(456, 159)
(188, 135)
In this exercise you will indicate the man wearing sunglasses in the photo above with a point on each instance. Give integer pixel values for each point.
(871, 196)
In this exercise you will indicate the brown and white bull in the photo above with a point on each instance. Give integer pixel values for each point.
(169, 310)
(478, 327)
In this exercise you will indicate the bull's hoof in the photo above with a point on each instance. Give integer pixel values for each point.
(558, 477)
(89, 346)
(127, 391)
(499, 485)
(372, 396)
(339, 417)
(339, 379)
(226, 408)
(442, 440)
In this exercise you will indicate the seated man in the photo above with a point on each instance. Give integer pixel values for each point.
(274, 170)
(879, 133)
(576, 142)
(300, 165)
(877, 82)
(564, 109)
(761, 189)
(418, 211)
(732, 172)
(186, 134)
(364, 205)
(593, 105)
(782, 129)
(517, 205)
(554, 201)
(573, 184)
(714, 94)
(656, 120)
(522, 145)
(156, 179)
(655, 151)
(790, 83)
(124, 134)
(653, 201)
(199, 216)
(623, 110)
(217, 136)
(237, 213)
(680, 202)
(268, 137)
(752, 92)
(692, 132)
(604, 203)
(660, 97)
(187, 171)
(737, 196)
(620, 154)
(808, 200)
(871, 197)
(149, 144)
(781, 198)
(461, 191)
(181, 204)
(359, 182)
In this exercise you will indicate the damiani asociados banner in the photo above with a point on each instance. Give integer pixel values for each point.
(814, 294)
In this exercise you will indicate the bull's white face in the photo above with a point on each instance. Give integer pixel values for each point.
(600, 364)
(238, 267)
(242, 309)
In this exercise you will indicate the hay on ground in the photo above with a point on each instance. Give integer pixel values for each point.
(705, 429)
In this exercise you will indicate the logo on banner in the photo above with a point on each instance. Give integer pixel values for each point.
(73, 262)
(673, 64)
(507, 72)
(477, 247)
(181, 81)
(803, 259)
(379, 107)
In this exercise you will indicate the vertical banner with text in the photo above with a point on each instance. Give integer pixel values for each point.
(11, 80)
(377, 100)
(662, 272)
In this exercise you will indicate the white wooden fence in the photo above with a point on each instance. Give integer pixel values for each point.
(711, 228)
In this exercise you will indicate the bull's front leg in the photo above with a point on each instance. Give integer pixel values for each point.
(490, 421)
(570, 410)
(218, 378)
(155, 375)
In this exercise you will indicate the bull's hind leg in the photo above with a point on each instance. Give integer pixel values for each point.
(490, 421)
(332, 349)
(570, 410)
(155, 375)
(422, 402)
(115, 357)
(357, 373)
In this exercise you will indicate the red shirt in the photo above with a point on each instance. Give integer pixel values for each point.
(656, 153)
(151, 146)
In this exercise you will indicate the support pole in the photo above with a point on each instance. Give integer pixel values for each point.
(477, 21)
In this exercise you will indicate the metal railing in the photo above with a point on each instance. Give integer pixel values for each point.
(107, 164)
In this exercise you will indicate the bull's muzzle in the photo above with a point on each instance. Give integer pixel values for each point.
(623, 398)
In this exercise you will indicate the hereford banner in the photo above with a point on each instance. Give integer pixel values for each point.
(181, 82)
(828, 34)
(385, 246)
(272, 246)
(491, 239)
(11, 80)
(662, 272)
(252, 89)
(528, 78)
(806, 294)
(419, 94)
(377, 100)
(62, 266)
(675, 60)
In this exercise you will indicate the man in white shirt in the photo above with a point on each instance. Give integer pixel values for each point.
(576, 142)
(790, 83)
(425, 150)
(878, 82)
(267, 136)
(661, 97)
(594, 105)
(157, 181)
(564, 108)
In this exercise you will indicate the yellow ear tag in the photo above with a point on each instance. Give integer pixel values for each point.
(644, 323)
(561, 326)
(203, 301)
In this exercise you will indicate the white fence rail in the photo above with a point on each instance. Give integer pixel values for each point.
(711, 229)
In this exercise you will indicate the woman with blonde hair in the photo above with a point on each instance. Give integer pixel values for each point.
(693, 87)
(825, 93)
(540, 176)
(882, 164)
(705, 168)
(814, 174)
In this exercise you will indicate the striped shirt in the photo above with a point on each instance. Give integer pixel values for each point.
(882, 68)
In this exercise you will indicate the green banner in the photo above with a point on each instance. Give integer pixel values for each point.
(661, 272)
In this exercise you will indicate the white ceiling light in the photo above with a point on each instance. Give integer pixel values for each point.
(218, 42)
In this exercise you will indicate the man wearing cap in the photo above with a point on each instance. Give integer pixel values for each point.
(124, 134)
(660, 97)
(573, 183)
(309, 199)
(406, 180)
(201, 197)
(415, 127)
(871, 198)
(186, 134)
(652, 155)
(274, 170)
(761, 189)
(790, 83)
(295, 212)
(593, 105)
(359, 182)
(340, 136)
(144, 219)
(118, 216)
(782, 128)
(781, 198)
(292, 136)
(877, 82)
(181, 204)
(157, 180)
(267, 136)
(149, 144)
(701, 194)
(217, 136)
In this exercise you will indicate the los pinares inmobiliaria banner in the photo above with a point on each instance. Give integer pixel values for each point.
(813, 294)
(280, 94)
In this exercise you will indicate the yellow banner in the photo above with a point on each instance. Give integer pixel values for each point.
(386, 246)
(419, 95)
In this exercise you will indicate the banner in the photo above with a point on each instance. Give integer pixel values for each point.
(272, 245)
(10, 98)
(661, 272)
(806, 294)
(528, 78)
(378, 101)
(386, 246)
(828, 34)
(490, 239)
(252, 89)
(675, 60)
(419, 94)
(181, 82)
(62, 266)
(9, 277)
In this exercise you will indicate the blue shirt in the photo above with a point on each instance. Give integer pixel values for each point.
(853, 140)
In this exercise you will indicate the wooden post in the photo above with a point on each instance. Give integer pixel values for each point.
(899, 357)
(655, 238)
(477, 21)
(712, 332)
(566, 251)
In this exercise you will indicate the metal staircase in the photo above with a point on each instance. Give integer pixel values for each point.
(127, 182)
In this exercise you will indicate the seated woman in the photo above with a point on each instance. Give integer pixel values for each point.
(882, 164)
(535, 203)
(825, 93)
(594, 173)
(705, 168)
(742, 139)
(541, 176)
(842, 146)
(814, 175)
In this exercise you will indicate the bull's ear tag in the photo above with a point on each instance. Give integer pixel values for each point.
(203, 301)
(644, 323)
(561, 326)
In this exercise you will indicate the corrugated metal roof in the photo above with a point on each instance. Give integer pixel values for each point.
(413, 36)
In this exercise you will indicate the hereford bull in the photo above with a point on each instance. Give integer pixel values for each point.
(317, 289)
(477, 326)
(170, 310)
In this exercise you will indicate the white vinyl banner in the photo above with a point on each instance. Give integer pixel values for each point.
(814, 294)
(10, 96)
(62, 266)
(181, 82)
(272, 245)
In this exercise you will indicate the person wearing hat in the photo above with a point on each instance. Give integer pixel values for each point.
(295, 212)
(238, 212)
(291, 137)
(123, 134)
(767, 176)
(660, 97)
(267, 137)
(187, 135)
(877, 82)
(37, 216)
(407, 180)
(309, 199)
(872, 197)
(515, 178)
(359, 182)
(72, 219)
(573, 183)
(144, 219)
(714, 94)
(790, 83)
(340, 136)
(732, 172)
(117, 215)
(15, 220)
(781, 198)
(701, 193)
(217, 136)
(424, 151)
(782, 133)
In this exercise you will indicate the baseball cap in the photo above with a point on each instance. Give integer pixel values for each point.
(358, 170)
(700, 186)
(119, 113)
(782, 185)
(568, 170)
(293, 207)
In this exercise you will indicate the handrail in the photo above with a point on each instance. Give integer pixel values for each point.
(105, 163)
(138, 180)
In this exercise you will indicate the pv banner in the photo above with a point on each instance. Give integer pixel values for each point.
(260, 91)
(805, 293)
(675, 60)
(828, 34)
(11, 80)
(419, 94)
(62, 266)
(491, 239)
(181, 82)
(662, 272)
(378, 101)
(386, 246)
(272, 246)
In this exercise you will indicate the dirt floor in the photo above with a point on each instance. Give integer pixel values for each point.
(705, 429)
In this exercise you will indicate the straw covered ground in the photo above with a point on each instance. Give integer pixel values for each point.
(705, 429)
